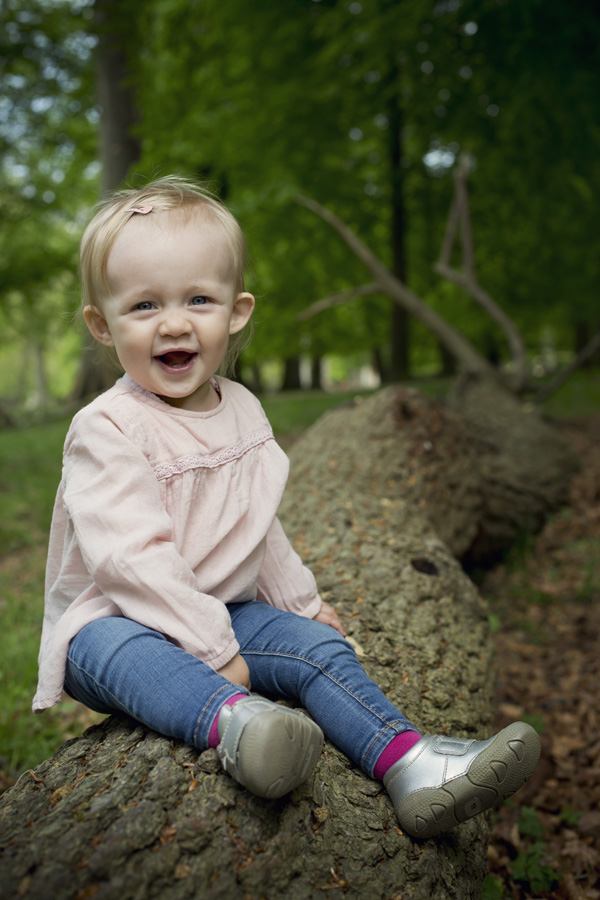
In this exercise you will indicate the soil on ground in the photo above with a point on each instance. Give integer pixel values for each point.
(545, 602)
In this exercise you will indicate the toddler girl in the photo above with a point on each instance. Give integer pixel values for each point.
(171, 587)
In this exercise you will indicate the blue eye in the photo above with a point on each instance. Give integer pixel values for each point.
(144, 305)
(199, 301)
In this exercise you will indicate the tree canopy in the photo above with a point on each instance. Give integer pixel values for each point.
(362, 106)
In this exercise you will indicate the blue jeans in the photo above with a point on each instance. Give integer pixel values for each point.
(116, 664)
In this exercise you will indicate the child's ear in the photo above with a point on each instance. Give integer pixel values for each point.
(98, 326)
(243, 307)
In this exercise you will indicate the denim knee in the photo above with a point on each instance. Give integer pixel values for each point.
(324, 645)
(116, 664)
(92, 652)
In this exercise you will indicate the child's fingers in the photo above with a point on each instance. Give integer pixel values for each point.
(328, 616)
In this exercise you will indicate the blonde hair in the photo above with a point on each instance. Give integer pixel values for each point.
(167, 193)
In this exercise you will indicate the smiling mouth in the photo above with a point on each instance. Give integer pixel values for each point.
(176, 359)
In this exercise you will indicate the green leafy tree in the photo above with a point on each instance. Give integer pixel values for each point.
(48, 171)
(363, 106)
(344, 102)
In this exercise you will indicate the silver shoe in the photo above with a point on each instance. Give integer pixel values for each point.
(444, 781)
(268, 748)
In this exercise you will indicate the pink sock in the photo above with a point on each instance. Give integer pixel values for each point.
(396, 748)
(213, 737)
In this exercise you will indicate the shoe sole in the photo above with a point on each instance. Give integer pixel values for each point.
(493, 776)
(278, 751)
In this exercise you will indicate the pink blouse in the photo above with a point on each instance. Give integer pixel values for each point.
(165, 516)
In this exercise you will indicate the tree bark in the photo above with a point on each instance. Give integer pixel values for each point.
(399, 368)
(97, 373)
(524, 465)
(291, 374)
(119, 147)
(316, 373)
(119, 151)
(447, 362)
(383, 492)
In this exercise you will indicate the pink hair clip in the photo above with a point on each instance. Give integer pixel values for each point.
(142, 210)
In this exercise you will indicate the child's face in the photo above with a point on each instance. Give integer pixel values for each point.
(172, 306)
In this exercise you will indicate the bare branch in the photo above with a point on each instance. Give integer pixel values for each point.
(466, 232)
(337, 299)
(450, 233)
(462, 350)
(459, 214)
(563, 376)
(515, 340)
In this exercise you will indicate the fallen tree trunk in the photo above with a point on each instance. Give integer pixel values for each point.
(482, 469)
(384, 493)
(525, 466)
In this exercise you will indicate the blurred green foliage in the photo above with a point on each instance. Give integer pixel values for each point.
(315, 96)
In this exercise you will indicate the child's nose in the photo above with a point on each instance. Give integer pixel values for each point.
(173, 323)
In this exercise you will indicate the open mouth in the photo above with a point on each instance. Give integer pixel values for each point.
(176, 360)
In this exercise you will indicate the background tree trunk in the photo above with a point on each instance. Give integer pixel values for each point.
(316, 373)
(400, 320)
(119, 147)
(448, 366)
(291, 374)
(119, 151)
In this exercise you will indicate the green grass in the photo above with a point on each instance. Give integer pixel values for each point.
(27, 739)
(293, 411)
(30, 466)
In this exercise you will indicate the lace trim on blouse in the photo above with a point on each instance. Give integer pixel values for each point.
(212, 461)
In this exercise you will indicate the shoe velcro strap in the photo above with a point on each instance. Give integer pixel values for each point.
(452, 746)
(241, 713)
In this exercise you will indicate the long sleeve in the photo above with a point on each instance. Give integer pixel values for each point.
(283, 580)
(166, 516)
(126, 540)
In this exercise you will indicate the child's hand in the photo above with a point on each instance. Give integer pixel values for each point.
(237, 671)
(328, 616)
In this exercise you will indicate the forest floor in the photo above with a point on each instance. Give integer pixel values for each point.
(545, 602)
